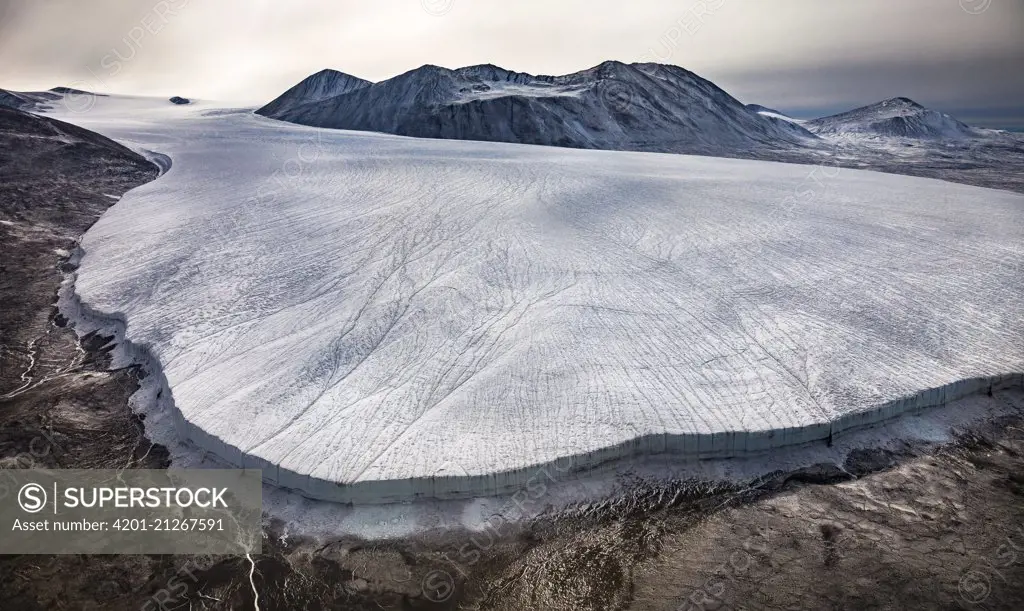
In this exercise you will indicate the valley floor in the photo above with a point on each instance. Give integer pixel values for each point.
(997, 163)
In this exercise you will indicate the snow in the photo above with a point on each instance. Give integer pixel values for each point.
(499, 90)
(375, 311)
(764, 111)
(779, 116)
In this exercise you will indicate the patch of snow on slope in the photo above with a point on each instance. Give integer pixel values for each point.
(780, 116)
(771, 112)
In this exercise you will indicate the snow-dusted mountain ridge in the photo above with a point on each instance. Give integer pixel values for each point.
(895, 117)
(643, 106)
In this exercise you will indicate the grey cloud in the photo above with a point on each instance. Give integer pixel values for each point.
(943, 83)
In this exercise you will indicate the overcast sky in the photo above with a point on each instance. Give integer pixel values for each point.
(806, 57)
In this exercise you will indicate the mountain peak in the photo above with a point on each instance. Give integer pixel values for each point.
(331, 72)
(431, 68)
(487, 66)
(611, 67)
(901, 101)
(322, 85)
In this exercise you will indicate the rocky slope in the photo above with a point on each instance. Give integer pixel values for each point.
(28, 101)
(52, 179)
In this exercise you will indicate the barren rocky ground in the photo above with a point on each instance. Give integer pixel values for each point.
(996, 163)
(58, 404)
(921, 527)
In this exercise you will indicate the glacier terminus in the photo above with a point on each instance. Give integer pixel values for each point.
(370, 317)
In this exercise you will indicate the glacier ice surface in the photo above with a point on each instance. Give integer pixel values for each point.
(350, 310)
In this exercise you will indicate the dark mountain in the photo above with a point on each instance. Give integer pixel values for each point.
(320, 86)
(645, 107)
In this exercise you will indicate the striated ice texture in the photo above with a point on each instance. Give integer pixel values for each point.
(370, 317)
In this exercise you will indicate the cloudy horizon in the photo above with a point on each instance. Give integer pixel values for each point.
(800, 56)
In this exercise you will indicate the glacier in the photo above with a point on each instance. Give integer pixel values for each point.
(372, 318)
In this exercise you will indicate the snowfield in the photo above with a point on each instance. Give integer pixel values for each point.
(371, 317)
